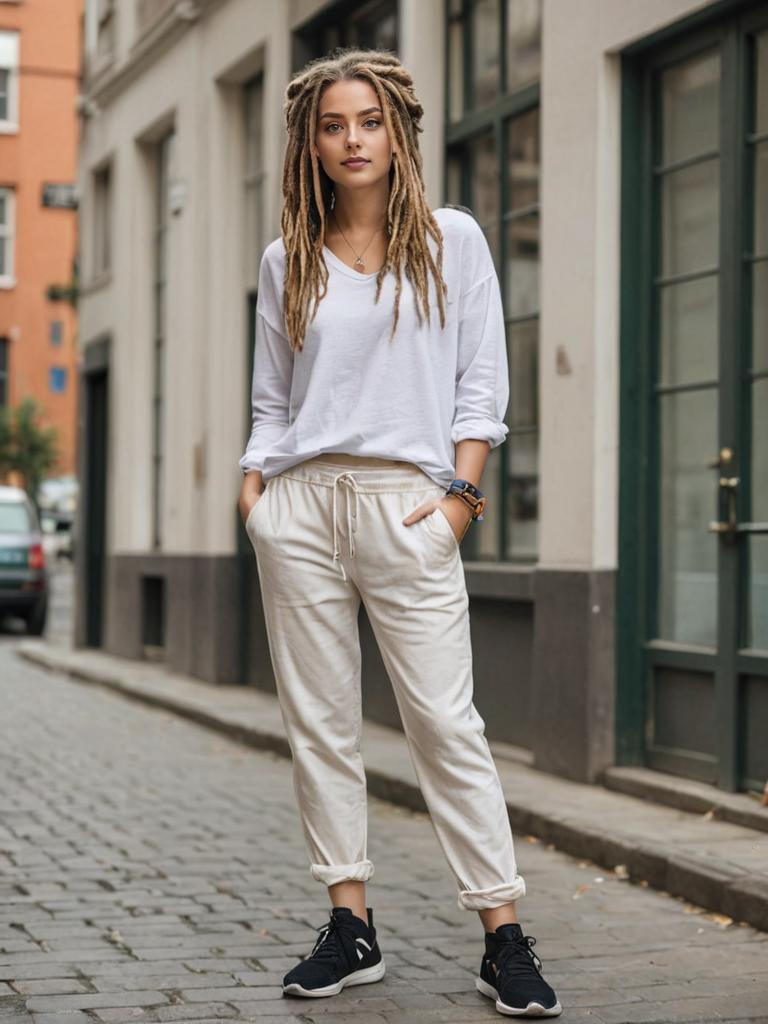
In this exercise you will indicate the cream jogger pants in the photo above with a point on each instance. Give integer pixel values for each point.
(327, 534)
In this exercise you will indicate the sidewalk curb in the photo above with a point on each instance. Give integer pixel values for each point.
(708, 881)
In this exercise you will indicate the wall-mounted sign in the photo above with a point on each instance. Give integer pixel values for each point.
(61, 196)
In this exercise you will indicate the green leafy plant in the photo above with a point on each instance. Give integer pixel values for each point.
(27, 447)
(66, 292)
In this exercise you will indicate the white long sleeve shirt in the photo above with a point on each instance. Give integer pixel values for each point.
(352, 390)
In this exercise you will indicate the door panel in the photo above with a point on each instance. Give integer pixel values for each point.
(687, 555)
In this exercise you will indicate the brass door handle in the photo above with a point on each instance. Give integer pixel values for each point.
(723, 459)
(728, 486)
(717, 527)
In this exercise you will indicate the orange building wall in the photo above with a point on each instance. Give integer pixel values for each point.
(43, 152)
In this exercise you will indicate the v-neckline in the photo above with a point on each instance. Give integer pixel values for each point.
(337, 262)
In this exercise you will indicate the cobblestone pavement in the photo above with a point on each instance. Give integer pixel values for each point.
(151, 870)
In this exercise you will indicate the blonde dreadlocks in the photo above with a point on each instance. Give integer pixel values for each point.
(307, 188)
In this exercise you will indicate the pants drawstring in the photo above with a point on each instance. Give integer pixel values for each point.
(346, 478)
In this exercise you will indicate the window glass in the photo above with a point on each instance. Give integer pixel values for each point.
(523, 59)
(14, 517)
(485, 52)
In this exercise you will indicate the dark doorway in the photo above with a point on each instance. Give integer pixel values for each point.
(94, 489)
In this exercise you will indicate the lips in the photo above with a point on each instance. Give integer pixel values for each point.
(355, 163)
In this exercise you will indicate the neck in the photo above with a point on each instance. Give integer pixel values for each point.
(360, 212)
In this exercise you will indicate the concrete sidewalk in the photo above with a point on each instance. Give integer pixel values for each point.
(717, 864)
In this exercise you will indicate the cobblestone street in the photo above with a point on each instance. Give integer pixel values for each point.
(151, 870)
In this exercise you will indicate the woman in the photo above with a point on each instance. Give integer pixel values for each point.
(373, 417)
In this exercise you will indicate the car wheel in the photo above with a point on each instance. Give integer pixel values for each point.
(36, 618)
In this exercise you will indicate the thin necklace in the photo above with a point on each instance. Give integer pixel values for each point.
(359, 261)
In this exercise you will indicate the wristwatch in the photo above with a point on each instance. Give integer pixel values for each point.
(470, 495)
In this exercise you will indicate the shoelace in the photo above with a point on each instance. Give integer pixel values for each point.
(517, 957)
(328, 945)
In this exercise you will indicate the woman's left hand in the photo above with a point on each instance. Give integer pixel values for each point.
(456, 512)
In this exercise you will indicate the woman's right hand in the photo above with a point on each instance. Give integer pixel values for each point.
(251, 491)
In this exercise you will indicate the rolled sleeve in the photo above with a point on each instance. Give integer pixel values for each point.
(482, 380)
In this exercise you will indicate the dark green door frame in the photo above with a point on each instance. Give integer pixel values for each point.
(638, 656)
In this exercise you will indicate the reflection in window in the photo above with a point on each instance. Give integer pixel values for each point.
(493, 166)
(371, 24)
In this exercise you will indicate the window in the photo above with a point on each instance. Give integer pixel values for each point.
(163, 175)
(5, 346)
(493, 167)
(105, 29)
(253, 177)
(56, 332)
(57, 379)
(7, 229)
(373, 23)
(9, 76)
(102, 217)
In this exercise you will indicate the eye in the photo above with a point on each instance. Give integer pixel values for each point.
(335, 124)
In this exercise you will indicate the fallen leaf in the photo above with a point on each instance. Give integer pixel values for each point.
(722, 919)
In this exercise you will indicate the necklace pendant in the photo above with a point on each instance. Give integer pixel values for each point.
(359, 263)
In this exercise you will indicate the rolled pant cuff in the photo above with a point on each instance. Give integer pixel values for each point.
(330, 874)
(496, 896)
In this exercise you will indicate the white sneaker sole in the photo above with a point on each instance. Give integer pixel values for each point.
(531, 1010)
(361, 977)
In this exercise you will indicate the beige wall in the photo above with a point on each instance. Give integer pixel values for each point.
(580, 193)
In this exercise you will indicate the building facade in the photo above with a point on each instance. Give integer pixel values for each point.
(616, 156)
(40, 60)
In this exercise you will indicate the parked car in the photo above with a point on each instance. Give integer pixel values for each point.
(57, 501)
(24, 574)
(57, 530)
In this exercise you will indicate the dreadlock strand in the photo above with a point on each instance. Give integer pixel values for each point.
(306, 188)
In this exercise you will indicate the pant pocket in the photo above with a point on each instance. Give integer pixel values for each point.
(254, 512)
(443, 524)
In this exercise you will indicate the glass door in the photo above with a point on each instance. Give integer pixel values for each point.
(701, 592)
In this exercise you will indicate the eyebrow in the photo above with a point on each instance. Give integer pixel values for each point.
(370, 110)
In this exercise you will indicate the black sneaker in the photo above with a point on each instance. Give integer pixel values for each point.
(345, 953)
(510, 973)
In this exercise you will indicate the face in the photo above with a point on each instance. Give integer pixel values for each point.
(350, 123)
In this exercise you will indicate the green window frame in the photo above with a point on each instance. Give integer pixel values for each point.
(492, 166)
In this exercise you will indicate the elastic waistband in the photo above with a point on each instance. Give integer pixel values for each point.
(371, 474)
